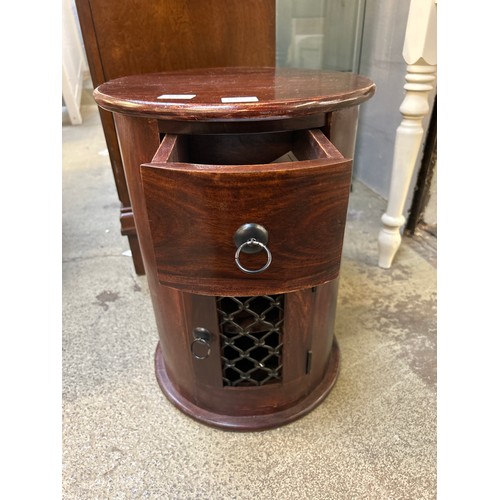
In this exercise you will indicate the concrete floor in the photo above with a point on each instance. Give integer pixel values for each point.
(374, 437)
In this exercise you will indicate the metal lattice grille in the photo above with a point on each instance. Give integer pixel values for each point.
(251, 339)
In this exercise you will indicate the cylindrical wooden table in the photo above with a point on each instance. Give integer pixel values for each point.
(239, 180)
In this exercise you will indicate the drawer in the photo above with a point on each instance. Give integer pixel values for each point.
(205, 204)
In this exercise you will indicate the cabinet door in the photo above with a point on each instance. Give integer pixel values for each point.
(195, 209)
(258, 355)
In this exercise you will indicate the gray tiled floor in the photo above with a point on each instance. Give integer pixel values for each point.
(373, 437)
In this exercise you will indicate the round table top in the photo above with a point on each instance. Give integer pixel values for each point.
(233, 93)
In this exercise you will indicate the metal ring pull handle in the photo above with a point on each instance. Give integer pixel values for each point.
(203, 342)
(252, 242)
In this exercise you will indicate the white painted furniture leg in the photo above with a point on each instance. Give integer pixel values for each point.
(420, 53)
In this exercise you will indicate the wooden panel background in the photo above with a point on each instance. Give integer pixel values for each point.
(125, 37)
(143, 36)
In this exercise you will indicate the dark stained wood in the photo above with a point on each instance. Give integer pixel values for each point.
(323, 328)
(98, 76)
(341, 129)
(268, 406)
(124, 37)
(281, 93)
(266, 399)
(302, 204)
(237, 149)
(128, 229)
(314, 144)
(139, 139)
(201, 312)
(137, 37)
(249, 423)
(242, 127)
(115, 159)
(171, 307)
(298, 331)
(191, 191)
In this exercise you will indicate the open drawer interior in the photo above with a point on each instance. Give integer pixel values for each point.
(199, 190)
(246, 149)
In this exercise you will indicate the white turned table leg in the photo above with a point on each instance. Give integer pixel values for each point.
(419, 52)
(409, 135)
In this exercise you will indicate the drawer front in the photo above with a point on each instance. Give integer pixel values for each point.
(195, 210)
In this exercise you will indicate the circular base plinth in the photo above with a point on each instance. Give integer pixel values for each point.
(249, 423)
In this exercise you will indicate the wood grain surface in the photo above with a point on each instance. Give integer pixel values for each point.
(195, 209)
(137, 36)
(280, 92)
(307, 329)
(130, 37)
(197, 169)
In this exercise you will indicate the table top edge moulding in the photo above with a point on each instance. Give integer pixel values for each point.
(224, 94)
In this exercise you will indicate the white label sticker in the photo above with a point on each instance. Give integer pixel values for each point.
(176, 96)
(239, 99)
